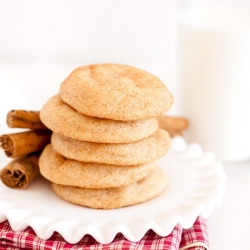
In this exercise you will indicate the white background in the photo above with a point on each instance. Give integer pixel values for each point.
(43, 41)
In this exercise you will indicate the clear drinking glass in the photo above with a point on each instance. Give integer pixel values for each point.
(214, 75)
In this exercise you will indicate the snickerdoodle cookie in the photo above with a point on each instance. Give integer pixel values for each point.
(64, 120)
(146, 150)
(116, 92)
(61, 170)
(147, 188)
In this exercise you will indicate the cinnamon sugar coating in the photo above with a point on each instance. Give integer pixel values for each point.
(117, 92)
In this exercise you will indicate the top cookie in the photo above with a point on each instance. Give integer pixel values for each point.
(116, 92)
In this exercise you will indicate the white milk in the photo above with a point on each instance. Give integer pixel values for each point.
(215, 81)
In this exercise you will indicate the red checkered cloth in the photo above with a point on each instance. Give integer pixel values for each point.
(195, 238)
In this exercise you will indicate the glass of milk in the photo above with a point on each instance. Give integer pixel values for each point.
(214, 76)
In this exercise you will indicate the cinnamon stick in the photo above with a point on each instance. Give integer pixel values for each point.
(174, 132)
(23, 143)
(20, 171)
(171, 123)
(24, 119)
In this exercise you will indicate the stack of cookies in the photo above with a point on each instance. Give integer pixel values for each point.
(106, 139)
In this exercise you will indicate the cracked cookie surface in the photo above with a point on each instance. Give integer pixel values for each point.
(116, 92)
